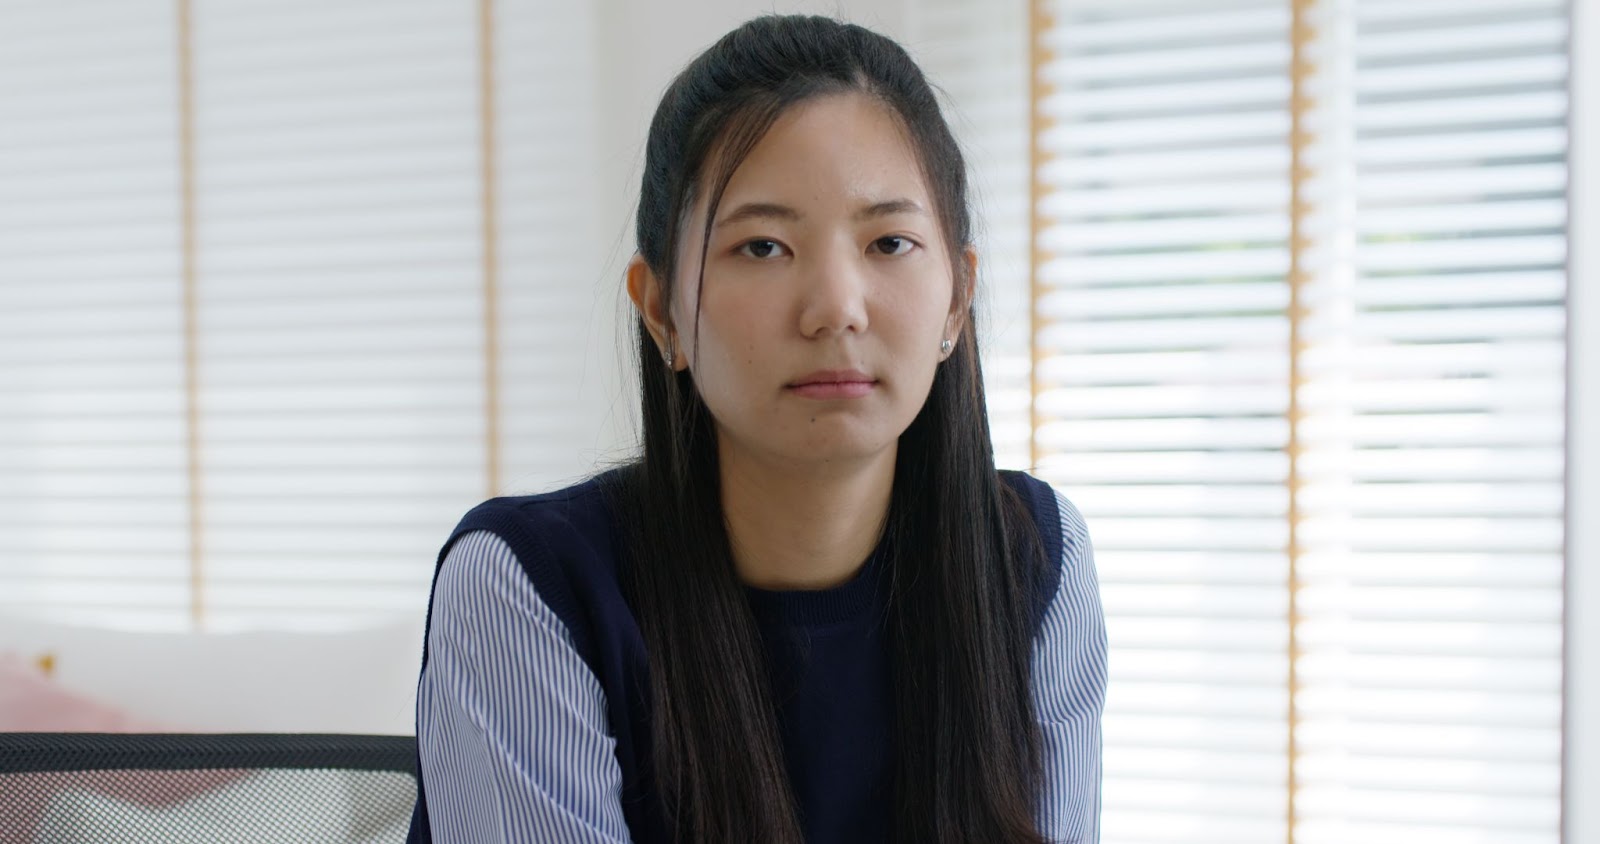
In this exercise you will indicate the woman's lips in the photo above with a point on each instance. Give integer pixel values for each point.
(834, 384)
(834, 389)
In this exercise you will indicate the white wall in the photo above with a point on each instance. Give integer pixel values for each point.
(1581, 783)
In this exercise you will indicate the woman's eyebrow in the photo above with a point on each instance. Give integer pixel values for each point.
(759, 211)
(775, 211)
(888, 207)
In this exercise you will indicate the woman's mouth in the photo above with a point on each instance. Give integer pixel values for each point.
(833, 384)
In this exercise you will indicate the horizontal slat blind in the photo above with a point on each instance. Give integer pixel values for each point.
(1433, 433)
(1431, 427)
(93, 473)
(1163, 375)
(341, 345)
(341, 319)
(560, 344)
(977, 55)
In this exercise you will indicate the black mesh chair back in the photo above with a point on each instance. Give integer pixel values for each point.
(85, 788)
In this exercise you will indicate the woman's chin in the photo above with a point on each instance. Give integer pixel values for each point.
(833, 448)
(820, 449)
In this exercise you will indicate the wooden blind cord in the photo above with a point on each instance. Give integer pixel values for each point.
(491, 245)
(1301, 34)
(1039, 23)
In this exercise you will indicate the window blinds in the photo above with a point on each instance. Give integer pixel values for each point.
(91, 358)
(1428, 501)
(1433, 431)
(1163, 388)
(976, 55)
(339, 232)
(342, 243)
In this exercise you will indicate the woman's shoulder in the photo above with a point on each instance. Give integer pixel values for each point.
(1060, 523)
(564, 541)
(1068, 557)
(580, 505)
(571, 522)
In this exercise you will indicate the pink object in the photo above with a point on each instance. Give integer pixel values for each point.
(30, 702)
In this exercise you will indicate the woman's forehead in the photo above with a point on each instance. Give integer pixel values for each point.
(843, 153)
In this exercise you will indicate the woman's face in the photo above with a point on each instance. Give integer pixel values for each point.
(827, 289)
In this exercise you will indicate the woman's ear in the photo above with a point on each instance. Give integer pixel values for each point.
(644, 288)
(961, 300)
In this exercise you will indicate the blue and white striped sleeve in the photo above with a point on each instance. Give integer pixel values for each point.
(1069, 690)
(511, 723)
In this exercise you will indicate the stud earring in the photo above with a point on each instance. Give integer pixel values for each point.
(945, 346)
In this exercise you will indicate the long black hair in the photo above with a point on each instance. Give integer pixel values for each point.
(967, 757)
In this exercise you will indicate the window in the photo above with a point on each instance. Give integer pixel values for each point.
(1300, 358)
(287, 288)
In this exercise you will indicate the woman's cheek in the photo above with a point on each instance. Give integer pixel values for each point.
(721, 375)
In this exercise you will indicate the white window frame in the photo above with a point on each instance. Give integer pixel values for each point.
(1581, 762)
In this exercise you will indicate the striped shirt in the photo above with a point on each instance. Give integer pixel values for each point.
(517, 743)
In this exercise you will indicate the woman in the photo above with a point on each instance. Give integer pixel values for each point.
(812, 610)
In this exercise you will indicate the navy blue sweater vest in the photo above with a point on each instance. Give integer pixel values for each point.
(826, 651)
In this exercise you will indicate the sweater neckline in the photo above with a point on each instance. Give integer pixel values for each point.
(822, 607)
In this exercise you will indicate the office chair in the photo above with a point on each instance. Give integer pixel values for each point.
(177, 788)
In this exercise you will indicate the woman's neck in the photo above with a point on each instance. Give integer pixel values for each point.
(804, 527)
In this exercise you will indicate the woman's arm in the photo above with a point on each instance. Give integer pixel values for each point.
(1069, 685)
(511, 723)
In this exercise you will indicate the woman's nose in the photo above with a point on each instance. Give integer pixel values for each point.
(834, 295)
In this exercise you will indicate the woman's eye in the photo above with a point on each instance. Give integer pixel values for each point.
(893, 245)
(761, 248)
